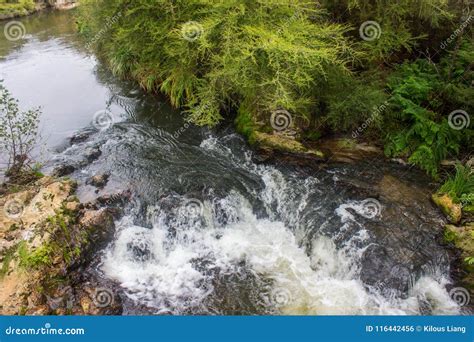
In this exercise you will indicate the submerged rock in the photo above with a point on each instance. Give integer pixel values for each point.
(63, 170)
(344, 150)
(99, 181)
(79, 137)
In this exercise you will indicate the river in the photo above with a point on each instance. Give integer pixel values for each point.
(208, 230)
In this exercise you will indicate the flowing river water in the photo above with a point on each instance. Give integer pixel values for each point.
(207, 230)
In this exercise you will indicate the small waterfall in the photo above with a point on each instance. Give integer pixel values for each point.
(278, 248)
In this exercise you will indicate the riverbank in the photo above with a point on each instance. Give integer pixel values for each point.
(46, 236)
(25, 8)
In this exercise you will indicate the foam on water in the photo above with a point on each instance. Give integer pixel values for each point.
(170, 266)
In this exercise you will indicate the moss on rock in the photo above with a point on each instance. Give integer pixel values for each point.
(261, 136)
(452, 210)
(463, 239)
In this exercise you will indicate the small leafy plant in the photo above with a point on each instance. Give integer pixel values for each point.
(18, 133)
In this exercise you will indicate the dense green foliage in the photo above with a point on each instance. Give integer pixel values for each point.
(402, 23)
(379, 69)
(209, 56)
(420, 100)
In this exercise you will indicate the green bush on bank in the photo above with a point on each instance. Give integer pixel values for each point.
(252, 57)
(17, 7)
(211, 56)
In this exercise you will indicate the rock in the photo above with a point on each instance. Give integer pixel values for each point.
(112, 198)
(452, 210)
(73, 206)
(100, 226)
(449, 163)
(63, 170)
(92, 154)
(344, 150)
(279, 142)
(470, 163)
(282, 143)
(42, 310)
(399, 161)
(97, 218)
(79, 137)
(395, 190)
(379, 270)
(100, 299)
(99, 181)
(86, 304)
(463, 239)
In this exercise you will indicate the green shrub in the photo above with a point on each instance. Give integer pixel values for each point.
(255, 57)
(18, 132)
(212, 56)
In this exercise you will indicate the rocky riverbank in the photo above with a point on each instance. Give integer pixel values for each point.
(46, 238)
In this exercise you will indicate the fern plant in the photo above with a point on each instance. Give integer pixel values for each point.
(423, 135)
